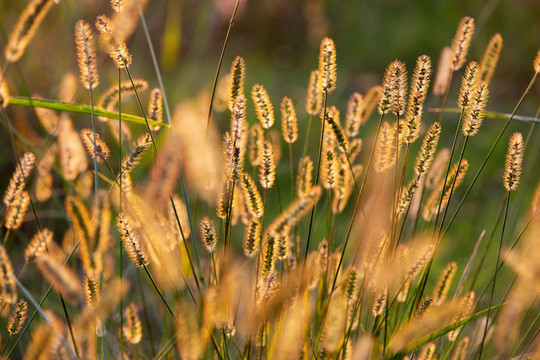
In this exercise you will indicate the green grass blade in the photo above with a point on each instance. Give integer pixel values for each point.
(79, 109)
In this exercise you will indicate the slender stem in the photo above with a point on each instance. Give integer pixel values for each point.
(160, 294)
(120, 254)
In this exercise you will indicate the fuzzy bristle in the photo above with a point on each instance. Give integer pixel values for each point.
(8, 287)
(474, 114)
(134, 247)
(461, 42)
(118, 5)
(419, 88)
(101, 150)
(353, 120)
(155, 107)
(444, 71)
(17, 318)
(327, 65)
(332, 117)
(256, 137)
(252, 196)
(103, 26)
(490, 58)
(304, 179)
(270, 255)
(92, 292)
(263, 106)
(314, 94)
(119, 53)
(132, 327)
(236, 86)
(252, 238)
(427, 150)
(384, 156)
(17, 181)
(131, 160)
(26, 27)
(329, 169)
(469, 84)
(394, 89)
(514, 162)
(289, 122)
(16, 211)
(38, 244)
(267, 169)
(443, 284)
(208, 234)
(86, 54)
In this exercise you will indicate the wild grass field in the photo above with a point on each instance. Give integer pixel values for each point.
(252, 180)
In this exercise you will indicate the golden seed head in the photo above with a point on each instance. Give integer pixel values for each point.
(134, 247)
(514, 162)
(224, 195)
(236, 87)
(131, 160)
(38, 244)
(536, 62)
(238, 141)
(91, 292)
(329, 169)
(419, 88)
(327, 65)
(444, 71)
(208, 234)
(474, 114)
(103, 26)
(462, 349)
(351, 285)
(270, 256)
(443, 284)
(120, 55)
(461, 42)
(16, 211)
(304, 179)
(314, 94)
(332, 117)
(132, 327)
(25, 28)
(353, 119)
(155, 107)
(427, 150)
(252, 238)
(289, 122)
(267, 169)
(86, 54)
(118, 5)
(109, 99)
(454, 179)
(263, 106)
(379, 303)
(394, 89)
(252, 196)
(100, 151)
(283, 243)
(406, 196)
(490, 58)
(469, 83)
(427, 352)
(256, 137)
(17, 181)
(17, 317)
(8, 287)
(384, 155)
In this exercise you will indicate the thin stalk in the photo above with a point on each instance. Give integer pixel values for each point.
(160, 294)
(214, 86)
(120, 262)
(317, 174)
(501, 133)
(146, 316)
(507, 200)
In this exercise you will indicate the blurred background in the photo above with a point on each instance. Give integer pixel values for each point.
(279, 40)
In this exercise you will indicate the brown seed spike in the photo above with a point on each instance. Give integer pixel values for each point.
(86, 53)
(468, 85)
(314, 94)
(155, 107)
(384, 148)
(490, 58)
(252, 196)
(208, 234)
(353, 119)
(267, 169)
(289, 122)
(120, 55)
(252, 238)
(236, 86)
(103, 25)
(17, 318)
(327, 65)
(17, 182)
(132, 326)
(394, 89)
(461, 42)
(38, 244)
(256, 137)
(427, 150)
(16, 211)
(474, 115)
(8, 287)
(133, 245)
(443, 284)
(514, 161)
(263, 106)
(25, 28)
(101, 149)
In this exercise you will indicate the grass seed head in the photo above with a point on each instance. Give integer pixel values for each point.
(514, 162)
(491, 58)
(314, 94)
(208, 234)
(461, 42)
(236, 86)
(86, 54)
(327, 65)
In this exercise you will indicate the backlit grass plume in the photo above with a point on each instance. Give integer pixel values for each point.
(314, 94)
(132, 244)
(208, 234)
(491, 58)
(462, 41)
(17, 181)
(8, 288)
(289, 122)
(327, 65)
(17, 317)
(101, 150)
(86, 55)
(514, 161)
(263, 106)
